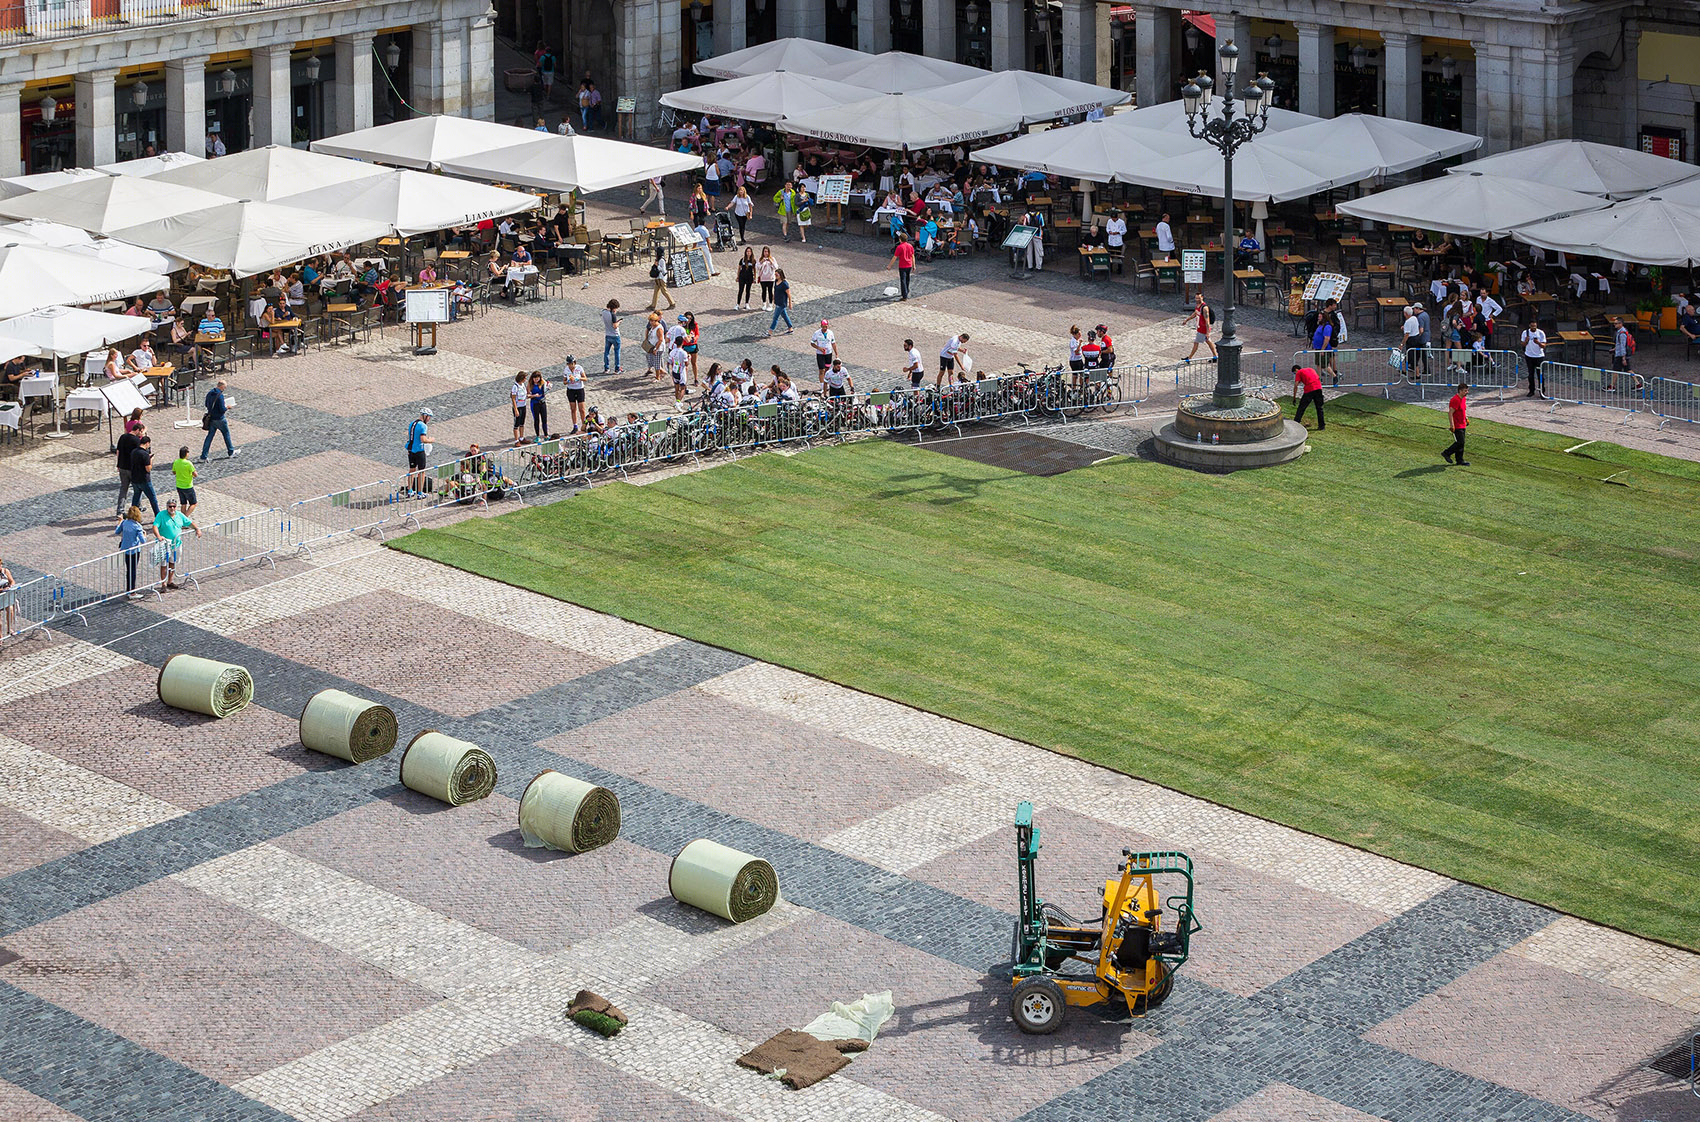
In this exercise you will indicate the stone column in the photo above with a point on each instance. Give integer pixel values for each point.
(1105, 38)
(353, 83)
(873, 25)
(1154, 74)
(274, 113)
(1316, 69)
(11, 129)
(808, 19)
(1403, 99)
(1628, 86)
(1080, 40)
(437, 66)
(1008, 23)
(97, 122)
(1236, 29)
(1544, 79)
(478, 82)
(186, 104)
(938, 28)
(732, 25)
(1493, 98)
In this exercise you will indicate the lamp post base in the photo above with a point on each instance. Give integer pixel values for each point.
(1205, 438)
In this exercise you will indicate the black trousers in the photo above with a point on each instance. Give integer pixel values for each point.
(1456, 449)
(131, 561)
(767, 291)
(540, 418)
(1534, 365)
(743, 220)
(903, 276)
(744, 291)
(1312, 397)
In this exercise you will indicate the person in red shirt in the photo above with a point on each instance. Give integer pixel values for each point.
(1307, 387)
(1092, 351)
(1107, 349)
(1454, 453)
(1202, 312)
(903, 257)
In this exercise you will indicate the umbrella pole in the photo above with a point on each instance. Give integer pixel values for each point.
(58, 432)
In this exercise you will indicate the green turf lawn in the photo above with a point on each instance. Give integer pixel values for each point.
(1487, 671)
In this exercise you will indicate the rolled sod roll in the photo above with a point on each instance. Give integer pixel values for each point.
(449, 770)
(568, 814)
(201, 685)
(721, 880)
(347, 727)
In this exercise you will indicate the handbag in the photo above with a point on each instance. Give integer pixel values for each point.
(206, 422)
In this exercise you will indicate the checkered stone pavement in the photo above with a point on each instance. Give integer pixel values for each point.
(203, 920)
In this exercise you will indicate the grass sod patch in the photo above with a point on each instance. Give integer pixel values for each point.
(1481, 670)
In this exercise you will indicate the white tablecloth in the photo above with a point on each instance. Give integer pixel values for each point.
(518, 273)
(39, 386)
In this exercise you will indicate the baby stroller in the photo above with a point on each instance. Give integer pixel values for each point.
(724, 236)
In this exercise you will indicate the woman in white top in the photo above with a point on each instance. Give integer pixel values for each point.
(517, 394)
(741, 206)
(767, 271)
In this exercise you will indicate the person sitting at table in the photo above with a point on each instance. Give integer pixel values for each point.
(15, 371)
(142, 358)
(160, 308)
(343, 268)
(210, 326)
(136, 308)
(1092, 237)
(427, 275)
(310, 273)
(928, 234)
(114, 365)
(279, 337)
(366, 283)
(521, 256)
(1419, 239)
(1688, 322)
(296, 291)
(494, 273)
(181, 342)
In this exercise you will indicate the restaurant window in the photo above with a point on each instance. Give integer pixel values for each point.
(140, 119)
(230, 99)
(49, 122)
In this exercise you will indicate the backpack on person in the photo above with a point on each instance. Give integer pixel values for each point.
(1212, 312)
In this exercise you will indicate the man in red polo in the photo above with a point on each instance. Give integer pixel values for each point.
(1454, 454)
(1307, 387)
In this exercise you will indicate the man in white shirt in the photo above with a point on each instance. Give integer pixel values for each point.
(836, 380)
(1413, 339)
(953, 347)
(1488, 306)
(1534, 354)
(912, 363)
(142, 357)
(1165, 237)
(825, 344)
(1115, 230)
(679, 366)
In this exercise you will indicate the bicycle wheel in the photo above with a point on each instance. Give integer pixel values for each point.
(1111, 397)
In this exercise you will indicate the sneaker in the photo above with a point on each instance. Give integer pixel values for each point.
(136, 596)
(283, 350)
(202, 460)
(234, 452)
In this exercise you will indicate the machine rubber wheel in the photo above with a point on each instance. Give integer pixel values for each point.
(1160, 992)
(1037, 1006)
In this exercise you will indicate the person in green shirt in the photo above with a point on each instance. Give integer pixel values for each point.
(184, 469)
(170, 524)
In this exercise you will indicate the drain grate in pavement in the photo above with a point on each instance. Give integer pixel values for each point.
(1678, 1063)
(1021, 451)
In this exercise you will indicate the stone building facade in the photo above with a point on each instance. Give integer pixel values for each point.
(85, 82)
(1516, 71)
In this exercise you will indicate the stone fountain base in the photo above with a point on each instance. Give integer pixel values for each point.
(1207, 438)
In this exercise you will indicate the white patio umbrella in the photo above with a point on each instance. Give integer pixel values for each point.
(1394, 145)
(114, 252)
(264, 174)
(33, 277)
(1170, 116)
(16, 348)
(151, 165)
(63, 332)
(1686, 193)
(1582, 165)
(109, 203)
(764, 97)
(413, 202)
(896, 120)
(1262, 173)
(41, 181)
(422, 142)
(900, 72)
(34, 231)
(1037, 97)
(1646, 231)
(1092, 150)
(1473, 205)
(573, 163)
(248, 237)
(805, 55)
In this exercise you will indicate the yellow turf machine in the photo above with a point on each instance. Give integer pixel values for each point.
(1130, 956)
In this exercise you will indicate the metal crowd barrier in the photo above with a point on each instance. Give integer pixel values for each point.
(1358, 368)
(34, 603)
(1259, 370)
(1483, 370)
(1670, 400)
(1619, 391)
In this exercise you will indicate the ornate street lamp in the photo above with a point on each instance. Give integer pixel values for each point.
(392, 54)
(1226, 131)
